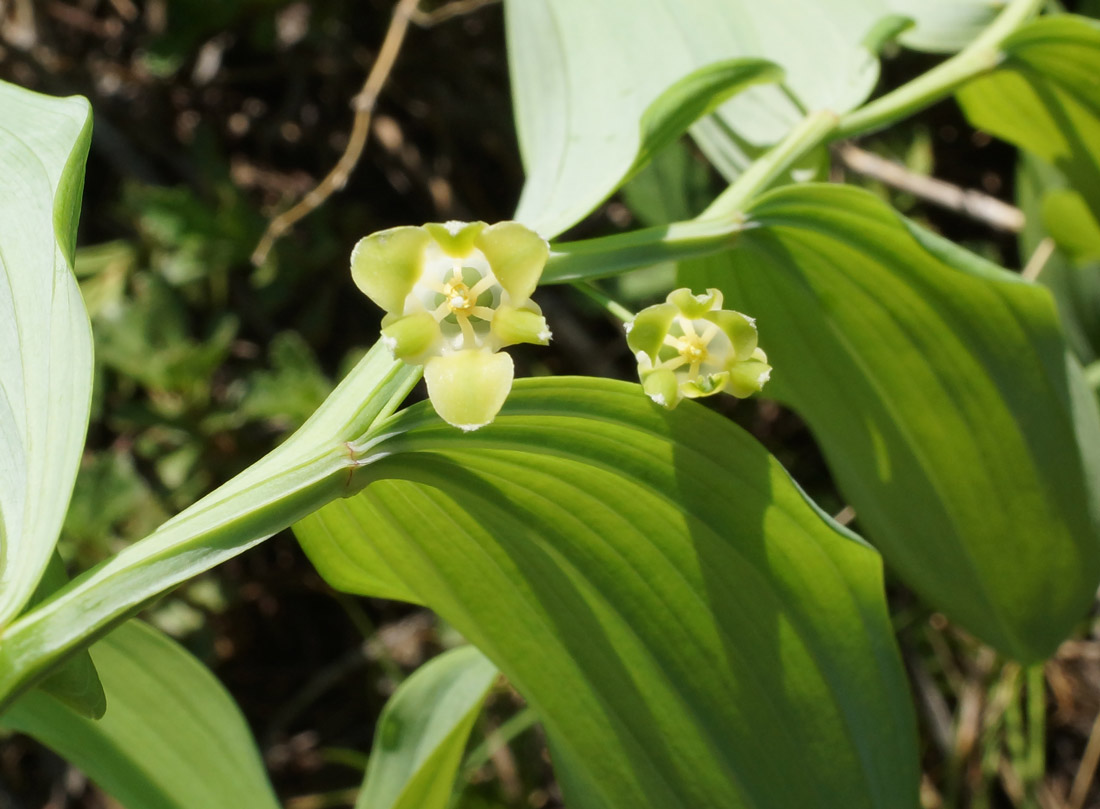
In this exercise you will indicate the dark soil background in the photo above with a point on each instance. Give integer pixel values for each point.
(211, 117)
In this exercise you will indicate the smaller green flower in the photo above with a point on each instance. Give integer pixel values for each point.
(455, 294)
(689, 346)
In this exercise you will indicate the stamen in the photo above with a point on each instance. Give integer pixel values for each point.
(484, 312)
(469, 339)
(482, 285)
(710, 333)
(694, 350)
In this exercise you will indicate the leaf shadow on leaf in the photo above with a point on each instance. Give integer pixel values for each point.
(723, 629)
(939, 388)
(819, 630)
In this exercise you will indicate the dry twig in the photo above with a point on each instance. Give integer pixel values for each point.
(983, 207)
(845, 515)
(1085, 772)
(363, 104)
(1038, 259)
(404, 12)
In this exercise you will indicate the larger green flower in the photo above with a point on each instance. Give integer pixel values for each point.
(689, 346)
(455, 294)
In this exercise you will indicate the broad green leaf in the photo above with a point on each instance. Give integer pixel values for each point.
(1045, 98)
(583, 75)
(423, 730)
(944, 399)
(314, 466)
(45, 339)
(698, 94)
(172, 738)
(350, 566)
(656, 587)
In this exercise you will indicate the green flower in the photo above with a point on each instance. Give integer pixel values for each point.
(455, 294)
(689, 346)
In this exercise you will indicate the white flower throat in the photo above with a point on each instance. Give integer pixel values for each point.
(462, 295)
(695, 346)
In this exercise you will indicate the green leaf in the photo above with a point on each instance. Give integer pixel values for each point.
(1067, 218)
(422, 732)
(942, 395)
(172, 737)
(655, 586)
(944, 26)
(46, 361)
(330, 538)
(1045, 98)
(699, 93)
(583, 74)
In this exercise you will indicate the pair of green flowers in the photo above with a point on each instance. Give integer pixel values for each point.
(456, 293)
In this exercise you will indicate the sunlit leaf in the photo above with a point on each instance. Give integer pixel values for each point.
(423, 730)
(46, 355)
(940, 389)
(584, 73)
(943, 26)
(655, 586)
(171, 738)
(699, 93)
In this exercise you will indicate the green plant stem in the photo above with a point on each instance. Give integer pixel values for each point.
(980, 56)
(793, 98)
(612, 306)
(313, 467)
(511, 729)
(809, 133)
(204, 536)
(610, 255)
(1036, 725)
